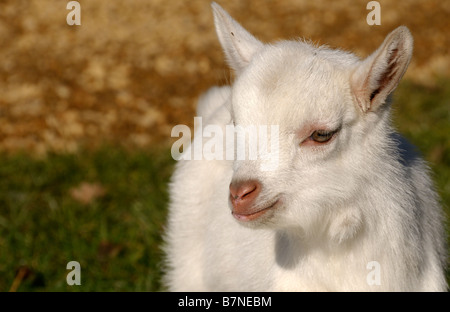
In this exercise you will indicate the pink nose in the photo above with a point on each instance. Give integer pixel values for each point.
(243, 195)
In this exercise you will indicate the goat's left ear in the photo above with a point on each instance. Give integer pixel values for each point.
(379, 74)
(238, 44)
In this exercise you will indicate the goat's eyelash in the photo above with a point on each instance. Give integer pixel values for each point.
(320, 137)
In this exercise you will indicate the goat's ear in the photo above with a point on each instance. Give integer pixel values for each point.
(238, 44)
(379, 74)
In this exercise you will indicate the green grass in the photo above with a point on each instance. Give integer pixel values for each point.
(423, 116)
(117, 237)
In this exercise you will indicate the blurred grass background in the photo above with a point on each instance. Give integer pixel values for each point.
(86, 113)
(103, 208)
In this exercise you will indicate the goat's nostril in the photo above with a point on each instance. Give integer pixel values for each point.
(245, 190)
(248, 191)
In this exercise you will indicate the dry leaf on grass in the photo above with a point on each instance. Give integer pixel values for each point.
(108, 250)
(86, 192)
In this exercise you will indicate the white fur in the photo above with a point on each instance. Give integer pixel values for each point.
(364, 196)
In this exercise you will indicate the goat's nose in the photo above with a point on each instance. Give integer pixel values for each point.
(243, 194)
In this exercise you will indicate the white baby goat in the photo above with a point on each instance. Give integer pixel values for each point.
(350, 206)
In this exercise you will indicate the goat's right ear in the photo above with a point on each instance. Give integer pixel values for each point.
(238, 44)
(379, 74)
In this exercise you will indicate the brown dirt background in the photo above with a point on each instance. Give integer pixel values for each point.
(135, 68)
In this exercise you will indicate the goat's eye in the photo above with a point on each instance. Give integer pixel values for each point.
(322, 136)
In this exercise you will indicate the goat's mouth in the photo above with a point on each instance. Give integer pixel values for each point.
(245, 217)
